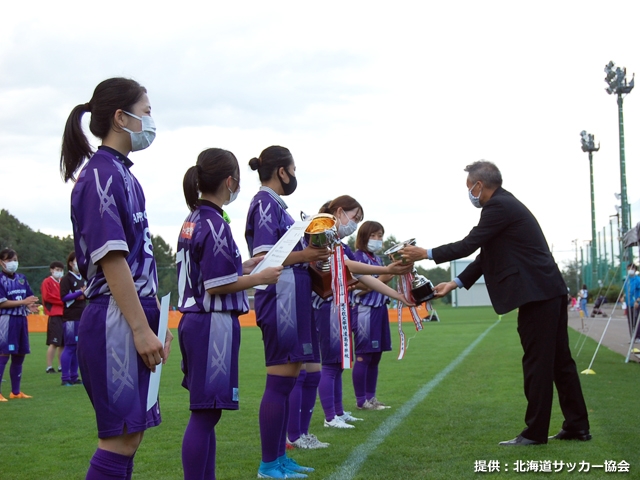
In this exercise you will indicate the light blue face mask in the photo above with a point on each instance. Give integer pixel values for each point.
(142, 139)
(475, 201)
(374, 245)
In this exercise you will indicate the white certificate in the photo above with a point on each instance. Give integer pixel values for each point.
(154, 380)
(281, 250)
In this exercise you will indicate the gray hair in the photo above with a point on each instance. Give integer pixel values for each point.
(484, 171)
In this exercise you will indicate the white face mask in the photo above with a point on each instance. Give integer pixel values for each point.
(374, 245)
(74, 266)
(475, 201)
(144, 138)
(233, 195)
(57, 274)
(348, 229)
(11, 267)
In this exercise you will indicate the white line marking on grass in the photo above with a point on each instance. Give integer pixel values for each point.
(353, 463)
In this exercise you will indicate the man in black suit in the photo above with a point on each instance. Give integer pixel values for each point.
(520, 272)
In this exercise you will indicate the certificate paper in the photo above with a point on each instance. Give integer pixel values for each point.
(154, 380)
(281, 250)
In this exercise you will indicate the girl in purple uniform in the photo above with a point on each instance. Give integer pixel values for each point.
(118, 346)
(72, 288)
(349, 213)
(211, 296)
(283, 311)
(370, 321)
(16, 301)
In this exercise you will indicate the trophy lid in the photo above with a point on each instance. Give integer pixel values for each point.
(399, 246)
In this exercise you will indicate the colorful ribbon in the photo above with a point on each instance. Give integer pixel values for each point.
(404, 288)
(341, 301)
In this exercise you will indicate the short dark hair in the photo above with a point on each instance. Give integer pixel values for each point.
(71, 258)
(484, 171)
(364, 233)
(343, 201)
(57, 265)
(7, 253)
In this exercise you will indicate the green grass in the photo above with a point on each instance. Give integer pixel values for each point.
(461, 420)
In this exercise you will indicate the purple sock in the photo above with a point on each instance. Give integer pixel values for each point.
(66, 363)
(4, 359)
(74, 364)
(282, 444)
(359, 377)
(15, 372)
(272, 414)
(129, 465)
(337, 393)
(372, 375)
(309, 394)
(326, 389)
(199, 443)
(107, 465)
(295, 400)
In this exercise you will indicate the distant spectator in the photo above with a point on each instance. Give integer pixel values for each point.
(72, 288)
(632, 298)
(583, 294)
(50, 289)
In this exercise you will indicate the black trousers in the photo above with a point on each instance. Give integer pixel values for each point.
(547, 360)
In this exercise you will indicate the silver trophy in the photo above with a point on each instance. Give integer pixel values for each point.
(421, 287)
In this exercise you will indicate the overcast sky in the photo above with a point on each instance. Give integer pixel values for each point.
(386, 102)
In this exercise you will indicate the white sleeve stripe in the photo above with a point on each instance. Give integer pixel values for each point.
(217, 282)
(262, 249)
(110, 246)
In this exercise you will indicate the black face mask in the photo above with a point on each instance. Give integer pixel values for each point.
(289, 188)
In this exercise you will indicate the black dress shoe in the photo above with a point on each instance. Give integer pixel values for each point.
(519, 440)
(582, 435)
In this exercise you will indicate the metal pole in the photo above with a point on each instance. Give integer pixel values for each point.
(577, 268)
(582, 264)
(613, 255)
(604, 247)
(593, 223)
(623, 177)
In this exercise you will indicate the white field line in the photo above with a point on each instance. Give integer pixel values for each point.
(353, 463)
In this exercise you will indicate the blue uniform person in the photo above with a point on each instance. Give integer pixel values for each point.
(118, 347)
(211, 296)
(16, 301)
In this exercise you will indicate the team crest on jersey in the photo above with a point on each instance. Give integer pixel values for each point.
(187, 230)
(21, 281)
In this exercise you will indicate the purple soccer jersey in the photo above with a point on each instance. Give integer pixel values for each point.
(373, 298)
(209, 332)
(208, 257)
(283, 310)
(108, 214)
(14, 335)
(14, 288)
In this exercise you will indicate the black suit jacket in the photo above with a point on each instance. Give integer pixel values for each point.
(514, 256)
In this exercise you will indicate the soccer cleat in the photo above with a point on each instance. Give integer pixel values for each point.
(59, 369)
(347, 417)
(312, 442)
(49, 370)
(77, 381)
(292, 465)
(374, 401)
(66, 383)
(269, 470)
(2, 399)
(337, 422)
(299, 443)
(20, 395)
(367, 405)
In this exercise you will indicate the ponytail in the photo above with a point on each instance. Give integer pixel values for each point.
(108, 97)
(190, 187)
(75, 146)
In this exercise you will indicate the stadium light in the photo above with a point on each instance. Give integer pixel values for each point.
(588, 145)
(616, 80)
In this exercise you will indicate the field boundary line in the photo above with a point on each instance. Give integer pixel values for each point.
(352, 464)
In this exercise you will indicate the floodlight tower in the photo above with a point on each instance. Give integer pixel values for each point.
(588, 145)
(616, 80)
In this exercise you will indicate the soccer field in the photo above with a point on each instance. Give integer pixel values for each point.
(454, 396)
